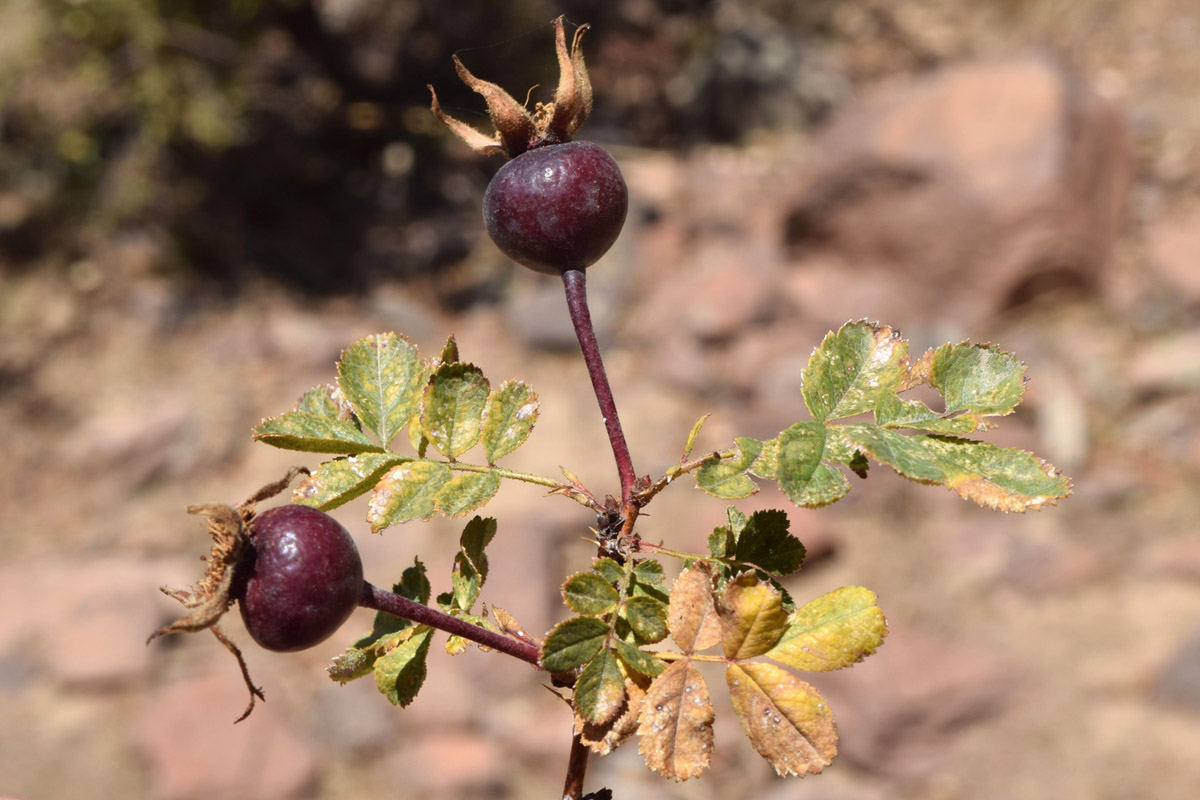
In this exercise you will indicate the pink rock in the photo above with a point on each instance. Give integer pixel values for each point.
(1174, 250)
(977, 187)
(194, 750)
(900, 710)
(449, 762)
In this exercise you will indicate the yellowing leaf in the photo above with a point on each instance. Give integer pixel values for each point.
(1002, 478)
(452, 408)
(340, 480)
(753, 618)
(381, 377)
(676, 721)
(852, 369)
(406, 492)
(313, 433)
(512, 411)
(787, 721)
(692, 614)
(833, 631)
(464, 493)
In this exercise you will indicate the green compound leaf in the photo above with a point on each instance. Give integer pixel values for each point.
(979, 378)
(803, 475)
(590, 594)
(511, 412)
(406, 492)
(381, 376)
(833, 631)
(573, 642)
(786, 719)
(471, 563)
(340, 480)
(401, 672)
(639, 660)
(727, 479)
(600, 690)
(467, 492)
(1003, 478)
(765, 542)
(452, 408)
(752, 618)
(647, 616)
(313, 433)
(852, 369)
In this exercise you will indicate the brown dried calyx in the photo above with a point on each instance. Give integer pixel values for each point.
(214, 593)
(517, 128)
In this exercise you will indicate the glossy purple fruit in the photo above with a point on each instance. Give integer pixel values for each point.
(301, 580)
(557, 207)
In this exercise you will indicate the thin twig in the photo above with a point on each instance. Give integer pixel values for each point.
(575, 281)
(577, 764)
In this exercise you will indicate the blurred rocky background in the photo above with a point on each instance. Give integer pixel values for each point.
(202, 203)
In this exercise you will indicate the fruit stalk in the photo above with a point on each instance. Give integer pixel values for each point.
(575, 281)
(378, 599)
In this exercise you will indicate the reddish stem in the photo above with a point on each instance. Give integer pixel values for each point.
(576, 769)
(575, 282)
(382, 600)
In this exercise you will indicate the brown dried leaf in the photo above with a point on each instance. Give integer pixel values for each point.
(676, 721)
(603, 739)
(692, 615)
(786, 719)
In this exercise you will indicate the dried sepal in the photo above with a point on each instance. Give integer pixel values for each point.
(212, 595)
(518, 129)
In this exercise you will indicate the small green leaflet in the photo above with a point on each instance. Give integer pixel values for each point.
(727, 478)
(573, 643)
(401, 672)
(982, 379)
(803, 474)
(471, 563)
(589, 594)
(381, 377)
